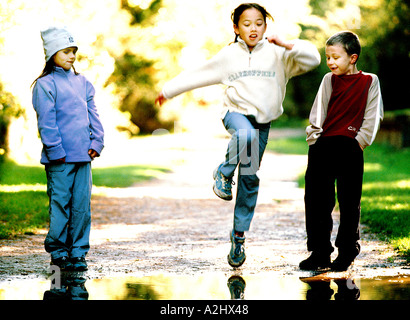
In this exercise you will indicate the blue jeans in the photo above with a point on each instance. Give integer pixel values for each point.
(69, 190)
(245, 149)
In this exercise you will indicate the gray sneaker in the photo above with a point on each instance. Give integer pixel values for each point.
(236, 256)
(222, 185)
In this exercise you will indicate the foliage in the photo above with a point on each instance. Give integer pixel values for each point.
(9, 109)
(383, 28)
(387, 38)
(141, 15)
(133, 79)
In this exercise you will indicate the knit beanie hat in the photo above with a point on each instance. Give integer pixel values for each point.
(56, 39)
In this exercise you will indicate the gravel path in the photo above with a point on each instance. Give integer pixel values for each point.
(176, 225)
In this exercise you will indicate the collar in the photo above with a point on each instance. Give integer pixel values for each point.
(349, 76)
(257, 47)
(62, 71)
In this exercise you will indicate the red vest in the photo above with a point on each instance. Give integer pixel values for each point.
(347, 105)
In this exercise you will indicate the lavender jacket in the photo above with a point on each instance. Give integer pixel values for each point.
(68, 121)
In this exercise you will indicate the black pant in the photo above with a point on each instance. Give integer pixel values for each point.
(333, 159)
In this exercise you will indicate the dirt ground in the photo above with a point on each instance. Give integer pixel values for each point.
(176, 225)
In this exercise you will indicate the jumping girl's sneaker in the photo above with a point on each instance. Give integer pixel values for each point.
(222, 185)
(236, 256)
(236, 286)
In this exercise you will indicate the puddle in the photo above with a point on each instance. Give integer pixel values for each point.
(263, 286)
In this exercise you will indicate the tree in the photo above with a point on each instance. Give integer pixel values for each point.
(9, 108)
(386, 32)
(383, 29)
(133, 78)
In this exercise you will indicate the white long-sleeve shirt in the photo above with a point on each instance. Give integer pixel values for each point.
(255, 80)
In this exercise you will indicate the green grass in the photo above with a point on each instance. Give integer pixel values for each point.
(386, 189)
(125, 176)
(292, 145)
(386, 195)
(24, 201)
(22, 212)
(13, 174)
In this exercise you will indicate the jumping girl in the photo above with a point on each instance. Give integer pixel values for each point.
(255, 71)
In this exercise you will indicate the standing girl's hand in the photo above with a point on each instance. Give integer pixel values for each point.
(93, 154)
(276, 40)
(160, 99)
(58, 161)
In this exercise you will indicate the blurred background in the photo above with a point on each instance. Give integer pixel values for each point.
(129, 48)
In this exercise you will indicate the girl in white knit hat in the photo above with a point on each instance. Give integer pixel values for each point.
(72, 136)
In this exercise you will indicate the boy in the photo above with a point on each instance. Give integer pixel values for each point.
(344, 120)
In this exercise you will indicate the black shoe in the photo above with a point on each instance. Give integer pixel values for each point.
(345, 258)
(341, 263)
(79, 264)
(346, 290)
(319, 290)
(63, 263)
(315, 262)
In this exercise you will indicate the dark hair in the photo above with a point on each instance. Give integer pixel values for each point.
(236, 14)
(349, 41)
(49, 68)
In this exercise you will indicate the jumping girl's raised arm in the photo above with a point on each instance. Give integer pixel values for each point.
(303, 57)
(209, 73)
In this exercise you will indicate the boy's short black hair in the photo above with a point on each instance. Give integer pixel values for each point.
(349, 41)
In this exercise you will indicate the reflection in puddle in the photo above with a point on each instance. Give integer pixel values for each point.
(263, 286)
(70, 286)
(321, 289)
